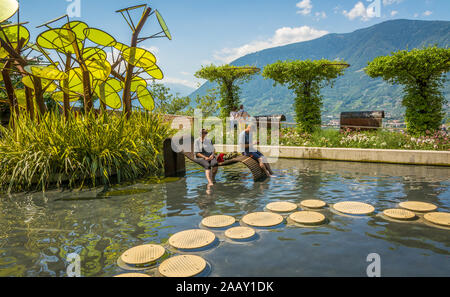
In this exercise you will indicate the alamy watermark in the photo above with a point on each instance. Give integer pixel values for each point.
(264, 134)
(374, 268)
(74, 8)
(374, 8)
(74, 267)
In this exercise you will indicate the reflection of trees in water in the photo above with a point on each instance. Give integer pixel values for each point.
(193, 189)
(235, 192)
(310, 181)
(424, 191)
(411, 235)
(98, 230)
(177, 197)
(233, 198)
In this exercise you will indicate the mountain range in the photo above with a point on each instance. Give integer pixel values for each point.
(354, 91)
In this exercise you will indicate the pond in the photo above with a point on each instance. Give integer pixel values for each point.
(38, 231)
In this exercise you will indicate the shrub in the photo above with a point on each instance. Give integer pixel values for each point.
(89, 149)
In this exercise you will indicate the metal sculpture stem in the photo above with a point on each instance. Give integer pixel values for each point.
(66, 106)
(130, 68)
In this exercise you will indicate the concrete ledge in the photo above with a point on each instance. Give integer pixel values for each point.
(436, 158)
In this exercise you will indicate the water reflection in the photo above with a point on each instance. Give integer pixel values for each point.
(38, 231)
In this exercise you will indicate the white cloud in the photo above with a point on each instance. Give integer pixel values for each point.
(337, 9)
(321, 14)
(427, 13)
(360, 11)
(305, 7)
(390, 2)
(416, 15)
(153, 49)
(282, 36)
(394, 13)
(184, 82)
(206, 62)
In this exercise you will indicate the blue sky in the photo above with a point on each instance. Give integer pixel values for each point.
(213, 31)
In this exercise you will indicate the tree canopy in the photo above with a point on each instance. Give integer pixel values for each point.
(422, 72)
(306, 78)
(228, 77)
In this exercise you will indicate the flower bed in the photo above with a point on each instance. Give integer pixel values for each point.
(439, 140)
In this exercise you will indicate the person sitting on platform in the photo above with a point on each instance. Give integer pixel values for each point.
(205, 155)
(247, 149)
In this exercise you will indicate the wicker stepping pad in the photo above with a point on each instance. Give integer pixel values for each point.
(313, 203)
(192, 239)
(399, 214)
(418, 206)
(240, 233)
(219, 221)
(143, 254)
(282, 206)
(182, 266)
(438, 218)
(308, 217)
(262, 219)
(355, 208)
(132, 275)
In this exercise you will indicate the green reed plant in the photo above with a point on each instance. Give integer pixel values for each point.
(87, 149)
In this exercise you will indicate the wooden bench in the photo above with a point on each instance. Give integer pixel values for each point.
(267, 120)
(175, 163)
(362, 120)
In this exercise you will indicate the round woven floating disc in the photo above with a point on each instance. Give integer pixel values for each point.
(313, 203)
(240, 233)
(399, 214)
(262, 219)
(307, 217)
(281, 206)
(418, 206)
(143, 254)
(356, 208)
(192, 239)
(219, 221)
(438, 218)
(182, 266)
(132, 275)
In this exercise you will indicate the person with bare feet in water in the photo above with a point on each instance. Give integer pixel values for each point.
(247, 149)
(205, 155)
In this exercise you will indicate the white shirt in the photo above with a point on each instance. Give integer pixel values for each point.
(205, 147)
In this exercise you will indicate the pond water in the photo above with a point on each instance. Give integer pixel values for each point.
(38, 231)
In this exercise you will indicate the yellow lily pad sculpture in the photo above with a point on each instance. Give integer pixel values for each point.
(108, 92)
(7, 9)
(71, 61)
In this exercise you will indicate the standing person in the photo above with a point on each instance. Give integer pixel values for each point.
(241, 110)
(242, 117)
(247, 149)
(234, 118)
(205, 155)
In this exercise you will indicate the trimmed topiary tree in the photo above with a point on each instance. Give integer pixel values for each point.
(306, 78)
(422, 72)
(227, 77)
